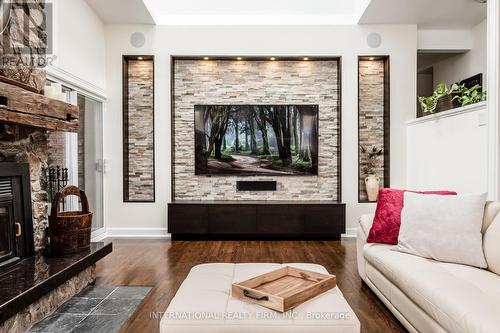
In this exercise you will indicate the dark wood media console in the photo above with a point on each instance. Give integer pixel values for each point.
(256, 219)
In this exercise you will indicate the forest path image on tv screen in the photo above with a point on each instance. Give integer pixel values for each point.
(256, 139)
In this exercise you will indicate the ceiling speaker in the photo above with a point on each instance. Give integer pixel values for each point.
(137, 39)
(374, 40)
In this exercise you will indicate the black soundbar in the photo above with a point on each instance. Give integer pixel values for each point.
(256, 185)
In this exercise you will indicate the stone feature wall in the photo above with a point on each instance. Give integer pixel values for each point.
(371, 116)
(25, 145)
(256, 82)
(140, 141)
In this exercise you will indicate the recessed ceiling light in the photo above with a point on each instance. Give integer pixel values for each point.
(239, 58)
(272, 58)
(371, 58)
(140, 58)
(205, 58)
(306, 58)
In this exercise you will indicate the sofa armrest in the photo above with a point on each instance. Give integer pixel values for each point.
(365, 224)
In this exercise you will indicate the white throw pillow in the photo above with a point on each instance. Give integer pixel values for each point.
(443, 227)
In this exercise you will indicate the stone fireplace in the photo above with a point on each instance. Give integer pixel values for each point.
(19, 144)
(34, 287)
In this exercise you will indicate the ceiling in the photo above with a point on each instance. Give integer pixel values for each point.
(122, 11)
(428, 14)
(229, 12)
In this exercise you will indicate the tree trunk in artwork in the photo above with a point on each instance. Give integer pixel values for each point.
(218, 152)
(224, 144)
(308, 145)
(251, 126)
(219, 119)
(246, 135)
(236, 134)
(260, 120)
(278, 119)
(294, 128)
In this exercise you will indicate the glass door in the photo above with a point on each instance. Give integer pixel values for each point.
(90, 160)
(81, 155)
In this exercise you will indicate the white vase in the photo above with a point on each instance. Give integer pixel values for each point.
(372, 184)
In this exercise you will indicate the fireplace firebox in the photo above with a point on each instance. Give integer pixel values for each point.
(16, 223)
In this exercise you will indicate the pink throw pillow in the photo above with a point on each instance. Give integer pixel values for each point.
(387, 220)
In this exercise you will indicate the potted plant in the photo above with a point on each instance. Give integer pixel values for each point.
(442, 99)
(469, 96)
(371, 162)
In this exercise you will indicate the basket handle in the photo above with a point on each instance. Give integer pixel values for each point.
(70, 190)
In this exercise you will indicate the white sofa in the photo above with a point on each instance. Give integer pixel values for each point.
(429, 296)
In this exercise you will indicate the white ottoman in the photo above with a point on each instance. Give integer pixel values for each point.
(203, 303)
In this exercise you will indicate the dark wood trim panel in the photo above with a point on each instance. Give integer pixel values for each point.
(125, 127)
(259, 219)
(387, 115)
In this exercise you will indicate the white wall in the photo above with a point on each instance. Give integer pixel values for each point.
(79, 41)
(465, 65)
(448, 151)
(399, 41)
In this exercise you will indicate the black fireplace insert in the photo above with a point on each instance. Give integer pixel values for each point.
(16, 222)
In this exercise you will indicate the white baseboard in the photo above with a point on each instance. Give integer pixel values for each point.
(350, 233)
(137, 233)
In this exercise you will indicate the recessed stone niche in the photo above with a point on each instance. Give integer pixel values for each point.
(257, 82)
(138, 134)
(373, 104)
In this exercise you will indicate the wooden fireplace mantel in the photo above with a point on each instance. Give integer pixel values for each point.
(24, 107)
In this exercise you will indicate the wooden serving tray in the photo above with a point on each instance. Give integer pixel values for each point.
(284, 288)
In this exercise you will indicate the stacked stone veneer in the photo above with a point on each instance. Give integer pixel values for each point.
(256, 82)
(371, 116)
(140, 141)
(24, 145)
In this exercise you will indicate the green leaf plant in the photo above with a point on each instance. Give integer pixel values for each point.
(464, 96)
(470, 96)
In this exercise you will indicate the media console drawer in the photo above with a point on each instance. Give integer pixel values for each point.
(256, 219)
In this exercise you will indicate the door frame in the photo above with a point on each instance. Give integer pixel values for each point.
(83, 87)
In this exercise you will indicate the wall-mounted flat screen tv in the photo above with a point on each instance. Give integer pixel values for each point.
(272, 140)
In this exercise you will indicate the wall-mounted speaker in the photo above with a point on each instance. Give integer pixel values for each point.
(137, 39)
(256, 185)
(374, 40)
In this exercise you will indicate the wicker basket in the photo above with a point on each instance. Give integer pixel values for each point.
(70, 231)
(446, 103)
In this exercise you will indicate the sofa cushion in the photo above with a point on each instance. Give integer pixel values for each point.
(387, 220)
(460, 298)
(445, 228)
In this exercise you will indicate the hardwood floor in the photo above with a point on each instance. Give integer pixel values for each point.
(163, 264)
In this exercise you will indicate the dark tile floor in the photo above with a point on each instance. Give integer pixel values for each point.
(102, 309)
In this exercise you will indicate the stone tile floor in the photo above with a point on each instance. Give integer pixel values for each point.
(102, 309)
